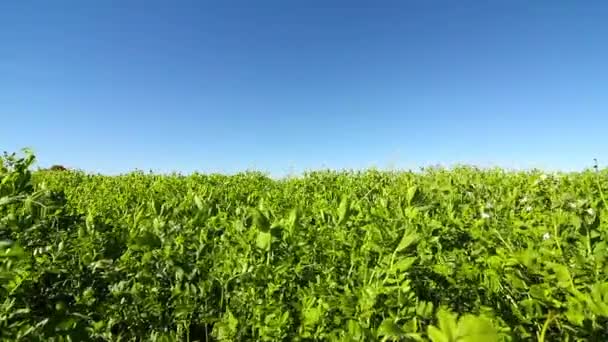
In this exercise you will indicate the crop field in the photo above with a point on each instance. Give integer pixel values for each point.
(441, 255)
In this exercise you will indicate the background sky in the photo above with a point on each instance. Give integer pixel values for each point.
(285, 86)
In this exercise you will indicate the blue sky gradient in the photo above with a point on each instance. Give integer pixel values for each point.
(286, 86)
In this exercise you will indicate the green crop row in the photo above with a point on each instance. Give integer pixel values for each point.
(442, 255)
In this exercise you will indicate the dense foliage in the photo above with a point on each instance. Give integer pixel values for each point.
(441, 255)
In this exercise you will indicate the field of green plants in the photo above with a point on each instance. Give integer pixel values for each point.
(443, 255)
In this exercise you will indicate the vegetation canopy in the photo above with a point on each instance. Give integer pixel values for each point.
(443, 255)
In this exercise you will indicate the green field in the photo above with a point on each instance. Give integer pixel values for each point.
(463, 254)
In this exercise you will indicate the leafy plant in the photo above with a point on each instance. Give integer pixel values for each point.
(441, 255)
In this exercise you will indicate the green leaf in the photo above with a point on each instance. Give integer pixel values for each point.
(437, 335)
(575, 313)
(66, 324)
(403, 264)
(263, 240)
(563, 275)
(294, 217)
(344, 210)
(226, 329)
(355, 331)
(5, 200)
(469, 328)
(198, 202)
(539, 291)
(424, 309)
(145, 241)
(11, 249)
(476, 329)
(260, 221)
(312, 315)
(414, 337)
(598, 301)
(409, 238)
(389, 328)
(411, 194)
(447, 324)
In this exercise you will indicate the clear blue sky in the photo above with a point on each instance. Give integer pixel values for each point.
(282, 86)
